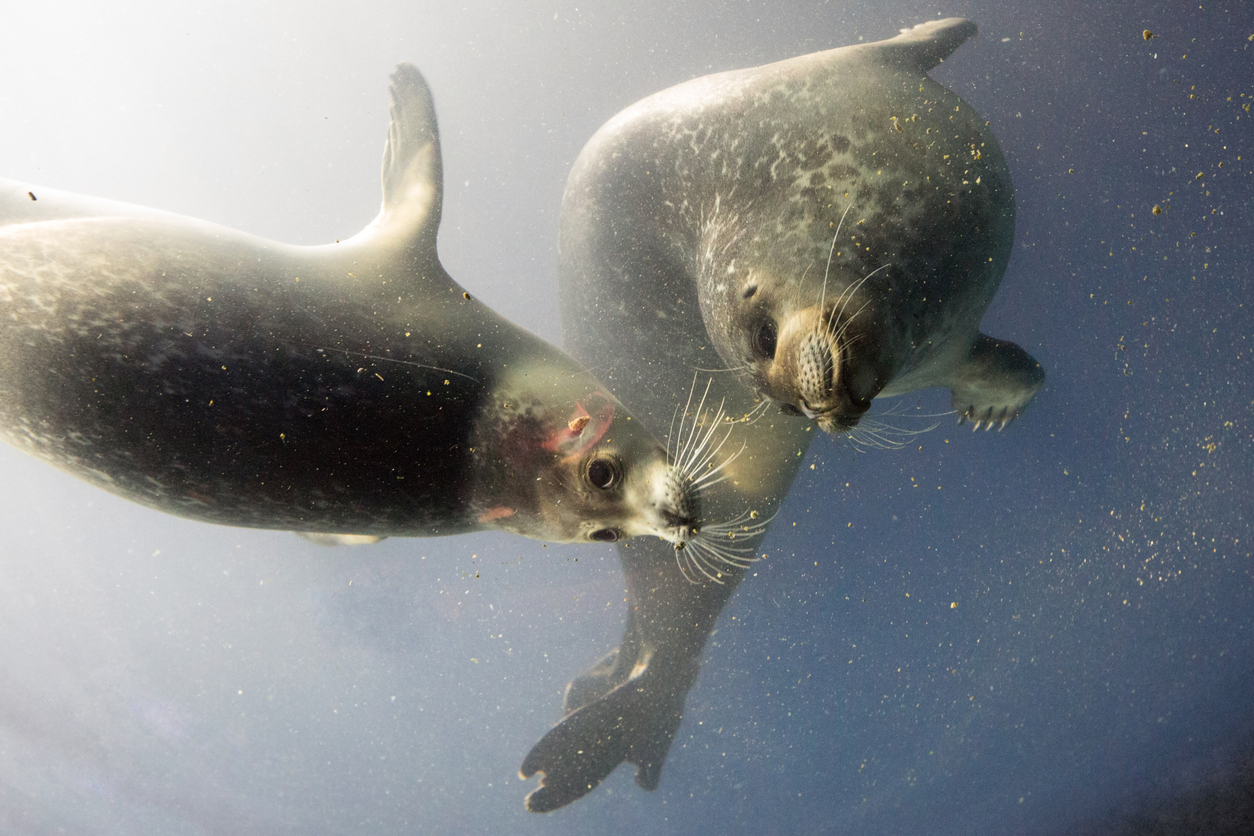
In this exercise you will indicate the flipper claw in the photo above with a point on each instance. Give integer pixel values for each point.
(995, 383)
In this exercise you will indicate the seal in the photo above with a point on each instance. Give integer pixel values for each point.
(845, 218)
(705, 223)
(351, 391)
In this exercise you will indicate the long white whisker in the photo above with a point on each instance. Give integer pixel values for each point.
(697, 480)
(683, 457)
(831, 251)
(700, 460)
(697, 457)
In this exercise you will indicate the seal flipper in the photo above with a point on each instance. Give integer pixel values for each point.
(610, 671)
(321, 539)
(995, 383)
(634, 723)
(591, 686)
(924, 46)
(629, 706)
(413, 173)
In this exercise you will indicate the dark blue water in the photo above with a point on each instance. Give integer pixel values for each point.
(1041, 631)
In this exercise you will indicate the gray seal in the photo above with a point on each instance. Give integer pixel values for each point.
(696, 216)
(352, 390)
(845, 219)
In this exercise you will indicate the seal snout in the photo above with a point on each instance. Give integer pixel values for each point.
(676, 506)
(805, 377)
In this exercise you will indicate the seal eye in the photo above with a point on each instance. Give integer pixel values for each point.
(602, 475)
(764, 339)
(604, 535)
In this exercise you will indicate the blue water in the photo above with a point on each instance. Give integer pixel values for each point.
(1038, 631)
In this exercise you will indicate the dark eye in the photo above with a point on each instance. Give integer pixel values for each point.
(601, 475)
(764, 339)
(604, 535)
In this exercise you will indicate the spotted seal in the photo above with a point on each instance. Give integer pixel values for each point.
(697, 216)
(845, 219)
(352, 389)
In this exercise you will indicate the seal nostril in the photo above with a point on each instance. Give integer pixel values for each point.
(789, 409)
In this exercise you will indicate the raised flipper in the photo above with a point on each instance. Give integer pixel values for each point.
(995, 384)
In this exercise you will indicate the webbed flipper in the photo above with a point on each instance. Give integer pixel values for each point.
(413, 171)
(629, 705)
(634, 723)
(995, 383)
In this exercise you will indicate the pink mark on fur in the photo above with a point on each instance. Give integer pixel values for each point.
(578, 426)
(497, 513)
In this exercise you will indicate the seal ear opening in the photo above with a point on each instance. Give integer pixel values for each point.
(413, 172)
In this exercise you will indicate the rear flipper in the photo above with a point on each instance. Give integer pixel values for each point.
(633, 723)
(602, 678)
(995, 384)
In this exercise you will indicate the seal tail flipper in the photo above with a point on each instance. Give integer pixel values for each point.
(413, 174)
(633, 723)
(594, 684)
(995, 383)
(926, 45)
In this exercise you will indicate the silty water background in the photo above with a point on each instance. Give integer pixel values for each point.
(1038, 631)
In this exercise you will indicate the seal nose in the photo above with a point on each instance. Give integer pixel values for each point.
(676, 506)
(685, 522)
(815, 367)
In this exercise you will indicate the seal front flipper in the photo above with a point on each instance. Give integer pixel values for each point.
(321, 539)
(995, 383)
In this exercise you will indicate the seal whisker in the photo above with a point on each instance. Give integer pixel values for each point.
(670, 433)
(752, 416)
(694, 458)
(693, 556)
(684, 456)
(846, 322)
(713, 547)
(715, 470)
(831, 252)
(395, 360)
(682, 418)
(712, 454)
(740, 368)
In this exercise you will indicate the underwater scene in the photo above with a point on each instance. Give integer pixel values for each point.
(722, 417)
